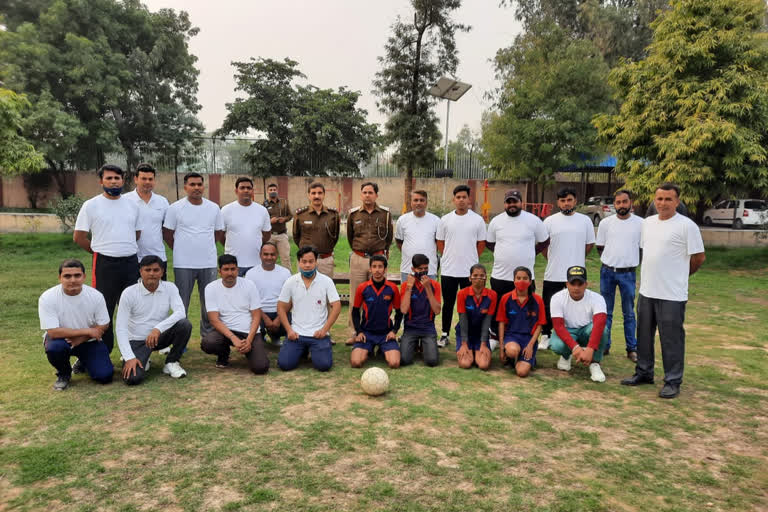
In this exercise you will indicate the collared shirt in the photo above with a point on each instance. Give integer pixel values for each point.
(476, 310)
(140, 311)
(369, 232)
(420, 318)
(377, 305)
(309, 306)
(151, 217)
(278, 208)
(320, 230)
(520, 318)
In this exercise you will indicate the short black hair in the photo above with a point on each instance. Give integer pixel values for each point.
(110, 167)
(71, 263)
(419, 260)
(145, 167)
(378, 257)
(243, 179)
(227, 259)
(193, 175)
(623, 191)
(150, 259)
(564, 192)
(304, 250)
(272, 185)
(422, 193)
(315, 184)
(669, 186)
(477, 266)
(370, 184)
(462, 188)
(268, 242)
(522, 269)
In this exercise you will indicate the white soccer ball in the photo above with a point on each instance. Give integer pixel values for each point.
(374, 381)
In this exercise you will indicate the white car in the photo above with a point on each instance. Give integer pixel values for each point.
(749, 212)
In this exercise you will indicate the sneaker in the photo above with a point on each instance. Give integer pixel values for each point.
(564, 364)
(493, 343)
(174, 370)
(443, 341)
(166, 350)
(544, 343)
(222, 364)
(596, 372)
(146, 366)
(61, 383)
(78, 367)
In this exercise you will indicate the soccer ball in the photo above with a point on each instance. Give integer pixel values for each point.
(374, 381)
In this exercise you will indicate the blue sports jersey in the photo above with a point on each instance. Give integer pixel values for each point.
(420, 318)
(520, 319)
(475, 310)
(377, 305)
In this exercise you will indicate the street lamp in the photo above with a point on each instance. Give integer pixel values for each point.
(449, 90)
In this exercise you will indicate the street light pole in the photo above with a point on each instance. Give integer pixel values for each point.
(447, 114)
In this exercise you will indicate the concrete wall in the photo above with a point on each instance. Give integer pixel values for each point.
(724, 237)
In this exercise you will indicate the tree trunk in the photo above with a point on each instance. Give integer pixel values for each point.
(408, 188)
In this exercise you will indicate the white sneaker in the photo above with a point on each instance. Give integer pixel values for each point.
(146, 366)
(174, 370)
(564, 364)
(166, 350)
(494, 344)
(443, 341)
(596, 372)
(544, 343)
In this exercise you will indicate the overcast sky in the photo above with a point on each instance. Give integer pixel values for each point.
(336, 43)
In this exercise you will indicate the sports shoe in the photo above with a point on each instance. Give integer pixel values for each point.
(78, 367)
(443, 341)
(174, 370)
(166, 350)
(146, 366)
(596, 372)
(493, 343)
(61, 383)
(544, 342)
(222, 364)
(564, 364)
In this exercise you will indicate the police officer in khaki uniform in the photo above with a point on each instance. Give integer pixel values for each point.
(369, 231)
(318, 226)
(279, 214)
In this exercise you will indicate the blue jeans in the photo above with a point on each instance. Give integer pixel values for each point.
(626, 282)
(93, 354)
(580, 336)
(319, 350)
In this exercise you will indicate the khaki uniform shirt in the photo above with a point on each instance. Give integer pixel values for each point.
(318, 230)
(278, 208)
(370, 233)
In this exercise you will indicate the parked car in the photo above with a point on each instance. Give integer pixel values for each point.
(749, 212)
(597, 208)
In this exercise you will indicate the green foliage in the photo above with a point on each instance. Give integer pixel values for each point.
(67, 209)
(696, 110)
(306, 130)
(17, 155)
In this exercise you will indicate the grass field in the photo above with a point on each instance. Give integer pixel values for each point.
(442, 439)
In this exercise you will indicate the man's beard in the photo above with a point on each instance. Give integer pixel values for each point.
(513, 212)
(622, 211)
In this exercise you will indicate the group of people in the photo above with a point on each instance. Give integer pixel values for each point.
(255, 298)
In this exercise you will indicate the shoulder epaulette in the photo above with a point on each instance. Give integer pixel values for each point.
(302, 210)
(385, 208)
(334, 210)
(353, 210)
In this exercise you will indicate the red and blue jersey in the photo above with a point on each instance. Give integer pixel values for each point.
(476, 309)
(377, 305)
(520, 318)
(420, 319)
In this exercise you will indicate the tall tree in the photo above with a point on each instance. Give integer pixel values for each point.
(552, 86)
(696, 110)
(17, 155)
(416, 54)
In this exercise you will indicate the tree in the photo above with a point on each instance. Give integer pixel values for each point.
(304, 130)
(415, 56)
(552, 86)
(17, 155)
(696, 110)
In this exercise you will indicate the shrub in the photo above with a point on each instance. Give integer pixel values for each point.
(67, 210)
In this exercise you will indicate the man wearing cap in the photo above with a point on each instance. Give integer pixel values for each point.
(279, 215)
(369, 231)
(317, 226)
(579, 321)
(519, 236)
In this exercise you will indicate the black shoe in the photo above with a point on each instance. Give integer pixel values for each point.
(632, 356)
(78, 367)
(61, 383)
(636, 380)
(607, 351)
(222, 364)
(669, 391)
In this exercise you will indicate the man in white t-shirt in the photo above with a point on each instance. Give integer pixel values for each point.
(672, 251)
(308, 295)
(152, 208)
(115, 226)
(234, 309)
(514, 237)
(571, 237)
(191, 228)
(415, 233)
(151, 317)
(269, 279)
(461, 241)
(75, 318)
(618, 243)
(579, 319)
(246, 225)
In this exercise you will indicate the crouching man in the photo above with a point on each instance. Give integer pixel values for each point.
(579, 319)
(151, 316)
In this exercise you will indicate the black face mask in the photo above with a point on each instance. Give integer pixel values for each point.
(514, 213)
(568, 211)
(419, 275)
(273, 195)
(113, 191)
(622, 211)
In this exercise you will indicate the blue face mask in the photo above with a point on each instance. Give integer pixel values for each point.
(308, 273)
(113, 191)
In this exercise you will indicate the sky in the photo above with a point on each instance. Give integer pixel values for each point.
(336, 43)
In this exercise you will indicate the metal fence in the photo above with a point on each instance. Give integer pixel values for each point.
(463, 166)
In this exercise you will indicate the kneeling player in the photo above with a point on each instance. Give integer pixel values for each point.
(419, 303)
(476, 306)
(521, 316)
(376, 299)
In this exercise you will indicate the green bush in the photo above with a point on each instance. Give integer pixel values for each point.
(67, 210)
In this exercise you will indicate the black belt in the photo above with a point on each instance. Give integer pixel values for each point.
(275, 233)
(620, 270)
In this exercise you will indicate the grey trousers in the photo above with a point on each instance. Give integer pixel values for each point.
(408, 343)
(668, 316)
(176, 337)
(185, 281)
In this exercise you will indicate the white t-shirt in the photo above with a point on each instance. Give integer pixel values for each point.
(234, 305)
(269, 283)
(621, 239)
(194, 243)
(244, 225)
(460, 234)
(515, 239)
(568, 236)
(418, 236)
(151, 217)
(309, 306)
(113, 224)
(667, 249)
(576, 313)
(86, 309)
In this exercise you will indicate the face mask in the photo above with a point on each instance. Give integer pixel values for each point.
(513, 213)
(308, 273)
(522, 286)
(273, 195)
(114, 192)
(622, 211)
(419, 275)
(568, 211)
